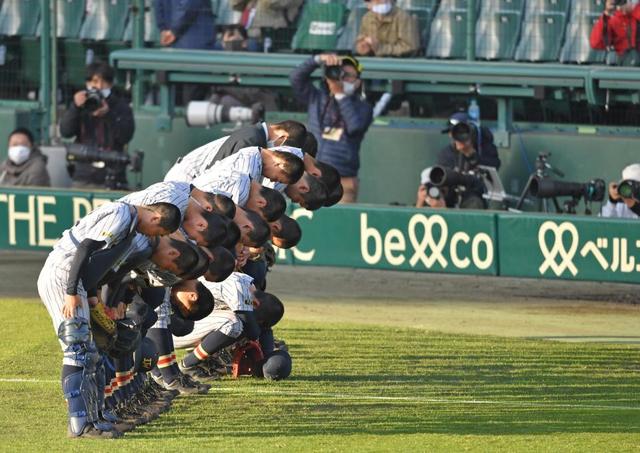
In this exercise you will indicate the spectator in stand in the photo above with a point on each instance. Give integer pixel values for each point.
(25, 165)
(617, 30)
(387, 31)
(269, 22)
(338, 114)
(185, 24)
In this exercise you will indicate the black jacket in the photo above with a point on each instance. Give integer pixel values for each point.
(110, 132)
(487, 155)
(243, 138)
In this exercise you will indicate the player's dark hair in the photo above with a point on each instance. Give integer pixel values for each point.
(293, 165)
(188, 256)
(310, 146)
(270, 309)
(101, 69)
(216, 230)
(330, 176)
(23, 131)
(222, 205)
(200, 267)
(170, 216)
(275, 206)
(221, 266)
(233, 235)
(296, 130)
(317, 195)
(202, 308)
(335, 196)
(290, 232)
(260, 232)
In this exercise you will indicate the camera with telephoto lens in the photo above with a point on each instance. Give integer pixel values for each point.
(433, 191)
(114, 162)
(333, 72)
(593, 190)
(447, 177)
(93, 101)
(629, 188)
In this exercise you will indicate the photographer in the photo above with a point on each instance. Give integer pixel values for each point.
(463, 191)
(431, 196)
(99, 118)
(627, 206)
(617, 29)
(470, 145)
(338, 115)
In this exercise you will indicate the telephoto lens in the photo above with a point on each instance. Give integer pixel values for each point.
(629, 189)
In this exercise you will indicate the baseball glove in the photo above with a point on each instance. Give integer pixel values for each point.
(103, 328)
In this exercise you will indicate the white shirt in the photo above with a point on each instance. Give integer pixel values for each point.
(617, 211)
(247, 160)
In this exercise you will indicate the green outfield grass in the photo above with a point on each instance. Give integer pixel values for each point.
(355, 387)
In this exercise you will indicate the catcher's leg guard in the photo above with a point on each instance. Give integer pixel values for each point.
(80, 388)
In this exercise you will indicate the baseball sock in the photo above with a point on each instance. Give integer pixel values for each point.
(210, 344)
(167, 367)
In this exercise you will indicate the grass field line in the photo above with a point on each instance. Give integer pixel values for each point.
(409, 399)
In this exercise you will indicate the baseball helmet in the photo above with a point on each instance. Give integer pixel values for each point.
(277, 366)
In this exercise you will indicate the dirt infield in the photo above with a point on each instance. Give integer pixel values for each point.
(19, 272)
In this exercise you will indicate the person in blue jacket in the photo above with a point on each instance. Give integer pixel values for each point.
(185, 24)
(338, 115)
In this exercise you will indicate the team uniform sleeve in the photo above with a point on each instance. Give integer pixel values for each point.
(108, 225)
(234, 292)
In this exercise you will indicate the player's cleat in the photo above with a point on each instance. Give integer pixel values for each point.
(186, 386)
(197, 372)
(160, 392)
(204, 388)
(91, 432)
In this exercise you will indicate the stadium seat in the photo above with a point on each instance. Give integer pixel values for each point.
(497, 35)
(319, 26)
(455, 5)
(580, 7)
(417, 4)
(542, 37)
(106, 20)
(502, 5)
(548, 6)
(576, 48)
(347, 38)
(19, 17)
(447, 37)
(423, 16)
(151, 32)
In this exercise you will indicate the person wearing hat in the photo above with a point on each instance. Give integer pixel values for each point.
(387, 31)
(338, 114)
(470, 145)
(25, 165)
(624, 207)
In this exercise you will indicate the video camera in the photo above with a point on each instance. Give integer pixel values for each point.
(114, 162)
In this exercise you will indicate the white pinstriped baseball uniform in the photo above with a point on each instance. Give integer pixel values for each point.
(234, 183)
(174, 192)
(247, 160)
(110, 223)
(195, 163)
(233, 294)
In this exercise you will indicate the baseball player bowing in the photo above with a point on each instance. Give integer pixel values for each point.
(68, 292)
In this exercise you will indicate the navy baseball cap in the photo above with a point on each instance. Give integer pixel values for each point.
(456, 118)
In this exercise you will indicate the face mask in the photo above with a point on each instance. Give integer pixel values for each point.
(349, 88)
(234, 45)
(383, 8)
(19, 154)
(106, 92)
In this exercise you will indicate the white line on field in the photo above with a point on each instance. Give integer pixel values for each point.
(410, 399)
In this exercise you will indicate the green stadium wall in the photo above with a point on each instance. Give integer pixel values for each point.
(374, 237)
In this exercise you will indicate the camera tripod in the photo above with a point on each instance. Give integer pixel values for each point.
(543, 167)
